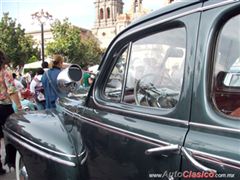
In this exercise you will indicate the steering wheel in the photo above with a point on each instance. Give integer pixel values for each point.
(147, 93)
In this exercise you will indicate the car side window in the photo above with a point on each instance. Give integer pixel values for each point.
(155, 70)
(226, 72)
(113, 88)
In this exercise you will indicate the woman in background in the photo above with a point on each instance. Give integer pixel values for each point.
(8, 94)
(49, 81)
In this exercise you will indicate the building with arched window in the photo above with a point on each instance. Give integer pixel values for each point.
(110, 19)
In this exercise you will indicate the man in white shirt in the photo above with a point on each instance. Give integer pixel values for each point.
(37, 89)
(17, 83)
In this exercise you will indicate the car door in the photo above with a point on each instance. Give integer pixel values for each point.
(138, 110)
(212, 146)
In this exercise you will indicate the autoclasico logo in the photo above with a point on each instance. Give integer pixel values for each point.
(191, 174)
(203, 174)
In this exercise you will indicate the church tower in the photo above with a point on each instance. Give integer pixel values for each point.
(107, 12)
(110, 19)
(136, 6)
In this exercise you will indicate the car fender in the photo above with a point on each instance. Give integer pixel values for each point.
(43, 133)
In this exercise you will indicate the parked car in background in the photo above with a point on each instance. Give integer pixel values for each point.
(161, 105)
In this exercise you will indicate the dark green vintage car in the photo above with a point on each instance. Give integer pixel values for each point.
(165, 104)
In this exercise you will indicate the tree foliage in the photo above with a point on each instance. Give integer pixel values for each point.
(92, 51)
(68, 42)
(15, 43)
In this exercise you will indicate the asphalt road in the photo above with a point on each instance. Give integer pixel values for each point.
(10, 175)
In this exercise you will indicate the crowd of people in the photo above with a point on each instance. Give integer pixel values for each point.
(31, 91)
(28, 92)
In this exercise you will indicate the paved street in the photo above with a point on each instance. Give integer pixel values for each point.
(9, 175)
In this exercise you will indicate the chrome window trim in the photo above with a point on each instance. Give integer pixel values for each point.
(212, 127)
(116, 130)
(84, 151)
(39, 146)
(84, 159)
(219, 159)
(41, 153)
(200, 9)
(126, 72)
(219, 4)
(163, 118)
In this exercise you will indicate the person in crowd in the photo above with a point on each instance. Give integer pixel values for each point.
(49, 80)
(26, 80)
(37, 90)
(45, 66)
(87, 79)
(28, 77)
(8, 94)
(20, 89)
(26, 102)
(20, 77)
(17, 83)
(23, 80)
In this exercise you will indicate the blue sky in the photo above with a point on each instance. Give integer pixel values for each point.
(80, 12)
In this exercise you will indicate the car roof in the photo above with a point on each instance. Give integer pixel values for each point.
(179, 4)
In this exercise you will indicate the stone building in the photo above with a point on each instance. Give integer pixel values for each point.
(110, 19)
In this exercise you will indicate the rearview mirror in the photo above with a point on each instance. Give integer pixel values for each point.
(232, 80)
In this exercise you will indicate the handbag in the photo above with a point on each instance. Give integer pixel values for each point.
(40, 97)
(39, 91)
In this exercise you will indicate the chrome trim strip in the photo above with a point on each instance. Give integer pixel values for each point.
(215, 158)
(159, 150)
(219, 4)
(41, 153)
(195, 163)
(212, 127)
(116, 130)
(217, 162)
(184, 122)
(84, 159)
(41, 147)
(200, 9)
(166, 119)
(125, 70)
(79, 155)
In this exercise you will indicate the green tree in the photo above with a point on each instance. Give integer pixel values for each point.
(68, 42)
(92, 51)
(15, 43)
